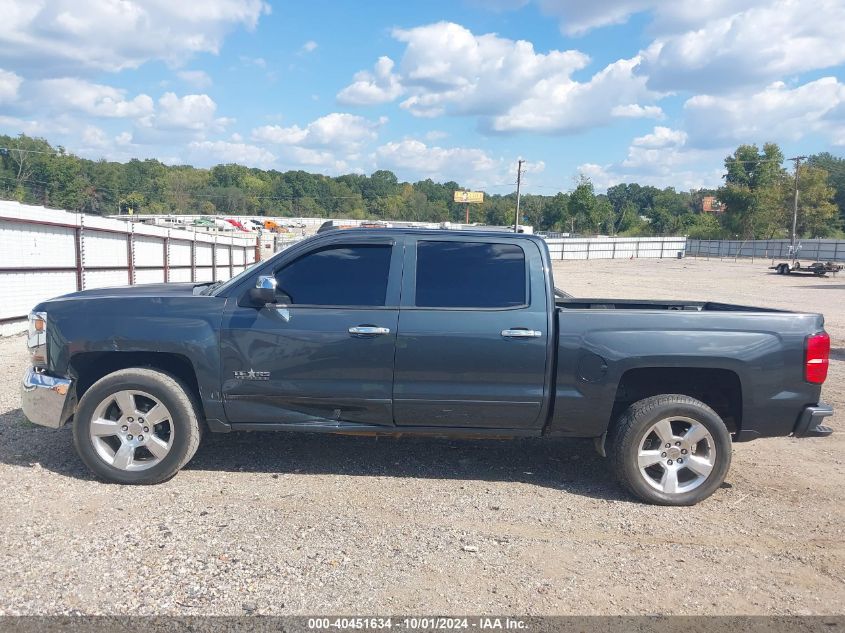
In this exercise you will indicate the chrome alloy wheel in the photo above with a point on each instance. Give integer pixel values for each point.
(676, 455)
(131, 430)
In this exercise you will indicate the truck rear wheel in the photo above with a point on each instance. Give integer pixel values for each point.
(670, 450)
(136, 426)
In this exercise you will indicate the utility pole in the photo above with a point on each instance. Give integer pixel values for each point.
(518, 185)
(797, 160)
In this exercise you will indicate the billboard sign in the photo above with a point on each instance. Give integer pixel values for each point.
(469, 197)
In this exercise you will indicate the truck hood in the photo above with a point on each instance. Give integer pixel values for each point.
(141, 290)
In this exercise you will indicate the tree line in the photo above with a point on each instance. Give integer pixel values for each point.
(757, 195)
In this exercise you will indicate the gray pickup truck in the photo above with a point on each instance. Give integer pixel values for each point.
(440, 333)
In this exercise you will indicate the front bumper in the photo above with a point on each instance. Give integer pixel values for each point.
(809, 423)
(46, 400)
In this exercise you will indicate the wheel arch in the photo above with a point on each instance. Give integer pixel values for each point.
(88, 367)
(720, 389)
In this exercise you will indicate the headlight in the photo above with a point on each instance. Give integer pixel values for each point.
(36, 339)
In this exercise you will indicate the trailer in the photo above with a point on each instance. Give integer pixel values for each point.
(816, 269)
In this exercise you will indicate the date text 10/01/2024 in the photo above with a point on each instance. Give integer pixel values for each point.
(418, 623)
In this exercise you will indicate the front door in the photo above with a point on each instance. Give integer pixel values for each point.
(325, 352)
(473, 334)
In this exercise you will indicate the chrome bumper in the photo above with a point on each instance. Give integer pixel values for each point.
(46, 400)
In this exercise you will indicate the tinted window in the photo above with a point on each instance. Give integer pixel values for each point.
(470, 275)
(338, 276)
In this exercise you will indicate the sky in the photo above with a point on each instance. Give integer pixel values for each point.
(647, 91)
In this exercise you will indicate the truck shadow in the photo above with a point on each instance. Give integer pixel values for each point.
(571, 466)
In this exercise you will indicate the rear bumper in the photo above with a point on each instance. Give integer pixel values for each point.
(810, 421)
(46, 400)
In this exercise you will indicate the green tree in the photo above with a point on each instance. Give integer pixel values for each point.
(818, 215)
(753, 191)
(835, 168)
(583, 207)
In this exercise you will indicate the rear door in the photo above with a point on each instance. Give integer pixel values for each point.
(473, 334)
(325, 352)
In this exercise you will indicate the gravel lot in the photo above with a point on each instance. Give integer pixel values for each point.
(300, 524)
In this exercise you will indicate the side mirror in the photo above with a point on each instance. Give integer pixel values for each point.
(264, 291)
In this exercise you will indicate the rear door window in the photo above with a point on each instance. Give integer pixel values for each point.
(453, 274)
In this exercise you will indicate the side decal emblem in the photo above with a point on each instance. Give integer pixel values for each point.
(252, 375)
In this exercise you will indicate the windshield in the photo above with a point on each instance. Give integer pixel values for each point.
(220, 286)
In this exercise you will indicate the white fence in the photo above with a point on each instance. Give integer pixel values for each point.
(822, 250)
(46, 253)
(616, 247)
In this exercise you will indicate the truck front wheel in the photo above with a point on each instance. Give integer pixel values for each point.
(136, 426)
(670, 450)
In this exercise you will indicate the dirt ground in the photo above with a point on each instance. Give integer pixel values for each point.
(310, 524)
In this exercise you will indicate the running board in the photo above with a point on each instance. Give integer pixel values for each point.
(346, 428)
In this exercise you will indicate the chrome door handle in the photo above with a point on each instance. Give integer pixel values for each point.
(518, 333)
(368, 330)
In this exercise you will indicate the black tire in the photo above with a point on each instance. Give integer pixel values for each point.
(169, 391)
(628, 433)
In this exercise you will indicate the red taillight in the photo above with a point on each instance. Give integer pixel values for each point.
(816, 355)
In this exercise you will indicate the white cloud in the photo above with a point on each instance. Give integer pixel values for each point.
(112, 35)
(562, 105)
(719, 45)
(46, 126)
(475, 167)
(9, 84)
(191, 112)
(92, 99)
(777, 113)
(309, 47)
(661, 137)
(662, 159)
(206, 152)
(338, 130)
(636, 111)
(93, 136)
(195, 78)
(446, 69)
(578, 17)
(749, 47)
(370, 88)
(124, 138)
(321, 160)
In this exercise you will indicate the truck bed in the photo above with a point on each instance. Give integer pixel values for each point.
(578, 303)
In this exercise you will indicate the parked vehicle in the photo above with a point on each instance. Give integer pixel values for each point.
(429, 332)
